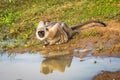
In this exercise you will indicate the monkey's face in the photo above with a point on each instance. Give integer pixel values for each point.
(41, 31)
(41, 34)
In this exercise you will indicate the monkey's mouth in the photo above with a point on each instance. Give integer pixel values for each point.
(41, 33)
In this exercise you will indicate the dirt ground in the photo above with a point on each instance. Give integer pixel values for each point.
(105, 41)
(108, 76)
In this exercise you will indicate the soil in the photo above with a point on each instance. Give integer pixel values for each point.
(108, 76)
(105, 41)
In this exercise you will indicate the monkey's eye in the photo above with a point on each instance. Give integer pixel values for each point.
(46, 29)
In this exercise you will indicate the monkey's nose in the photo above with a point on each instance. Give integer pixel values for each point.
(41, 33)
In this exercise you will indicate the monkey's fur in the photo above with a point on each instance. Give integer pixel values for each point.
(59, 32)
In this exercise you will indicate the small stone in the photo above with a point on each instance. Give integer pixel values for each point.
(44, 46)
(95, 62)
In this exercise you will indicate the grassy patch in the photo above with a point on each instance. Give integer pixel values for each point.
(19, 18)
(90, 33)
(100, 48)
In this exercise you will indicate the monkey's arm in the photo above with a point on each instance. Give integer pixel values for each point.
(57, 35)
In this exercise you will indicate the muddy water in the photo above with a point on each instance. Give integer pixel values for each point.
(32, 66)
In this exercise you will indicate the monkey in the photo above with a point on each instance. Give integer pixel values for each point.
(59, 32)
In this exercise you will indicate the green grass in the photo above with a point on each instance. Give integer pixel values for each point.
(90, 33)
(100, 48)
(19, 18)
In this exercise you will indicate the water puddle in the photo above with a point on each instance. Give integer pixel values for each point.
(33, 66)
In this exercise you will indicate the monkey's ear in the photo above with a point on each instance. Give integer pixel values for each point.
(41, 24)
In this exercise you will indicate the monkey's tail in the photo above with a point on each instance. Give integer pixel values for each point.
(96, 23)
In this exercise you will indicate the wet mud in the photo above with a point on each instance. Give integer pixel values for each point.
(108, 76)
(105, 41)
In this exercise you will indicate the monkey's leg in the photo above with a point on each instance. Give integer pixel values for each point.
(62, 34)
(67, 29)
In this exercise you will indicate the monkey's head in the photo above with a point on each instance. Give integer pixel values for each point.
(42, 30)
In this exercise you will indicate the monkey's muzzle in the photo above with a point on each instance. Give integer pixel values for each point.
(41, 34)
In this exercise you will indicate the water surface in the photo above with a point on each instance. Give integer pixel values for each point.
(32, 66)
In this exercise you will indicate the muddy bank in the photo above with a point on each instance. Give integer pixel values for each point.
(108, 76)
(104, 40)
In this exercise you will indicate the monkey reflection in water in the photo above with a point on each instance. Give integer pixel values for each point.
(59, 64)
